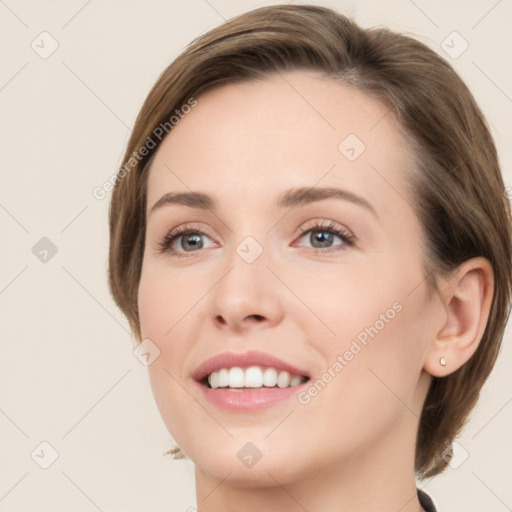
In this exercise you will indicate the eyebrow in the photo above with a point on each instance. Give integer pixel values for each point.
(290, 199)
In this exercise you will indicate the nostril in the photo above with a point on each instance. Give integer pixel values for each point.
(221, 320)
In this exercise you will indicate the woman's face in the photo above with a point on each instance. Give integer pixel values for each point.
(330, 284)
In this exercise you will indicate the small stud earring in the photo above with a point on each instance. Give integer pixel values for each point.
(442, 361)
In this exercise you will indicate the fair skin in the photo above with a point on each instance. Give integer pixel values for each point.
(351, 448)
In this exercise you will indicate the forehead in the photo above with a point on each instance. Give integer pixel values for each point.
(298, 128)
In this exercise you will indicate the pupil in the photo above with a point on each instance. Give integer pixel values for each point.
(322, 237)
(196, 241)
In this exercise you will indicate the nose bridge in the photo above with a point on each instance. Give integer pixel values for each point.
(245, 294)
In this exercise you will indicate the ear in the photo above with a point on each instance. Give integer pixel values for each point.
(467, 298)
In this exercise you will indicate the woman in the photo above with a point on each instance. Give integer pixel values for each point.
(319, 261)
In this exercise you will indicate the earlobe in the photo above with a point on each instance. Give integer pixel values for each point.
(467, 298)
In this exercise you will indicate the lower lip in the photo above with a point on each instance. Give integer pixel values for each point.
(249, 399)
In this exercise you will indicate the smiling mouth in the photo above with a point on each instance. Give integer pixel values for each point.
(252, 378)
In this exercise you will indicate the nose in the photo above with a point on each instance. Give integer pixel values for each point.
(247, 296)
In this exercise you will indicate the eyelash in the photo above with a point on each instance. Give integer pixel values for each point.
(348, 239)
(345, 235)
(173, 235)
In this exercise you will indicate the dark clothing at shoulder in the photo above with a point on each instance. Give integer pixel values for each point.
(426, 501)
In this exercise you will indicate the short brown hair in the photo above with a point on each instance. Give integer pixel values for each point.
(457, 186)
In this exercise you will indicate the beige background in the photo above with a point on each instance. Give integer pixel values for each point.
(68, 375)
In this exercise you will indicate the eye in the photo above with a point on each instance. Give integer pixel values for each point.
(322, 235)
(184, 239)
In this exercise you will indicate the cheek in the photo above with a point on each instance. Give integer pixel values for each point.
(164, 300)
(374, 360)
(342, 303)
(376, 363)
(163, 306)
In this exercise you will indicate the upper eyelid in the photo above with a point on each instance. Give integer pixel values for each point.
(322, 223)
(318, 223)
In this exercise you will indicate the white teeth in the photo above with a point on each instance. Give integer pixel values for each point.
(213, 379)
(295, 380)
(236, 377)
(270, 377)
(253, 377)
(283, 380)
(223, 378)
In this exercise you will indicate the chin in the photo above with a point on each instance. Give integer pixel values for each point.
(248, 465)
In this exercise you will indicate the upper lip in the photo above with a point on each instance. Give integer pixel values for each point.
(245, 359)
